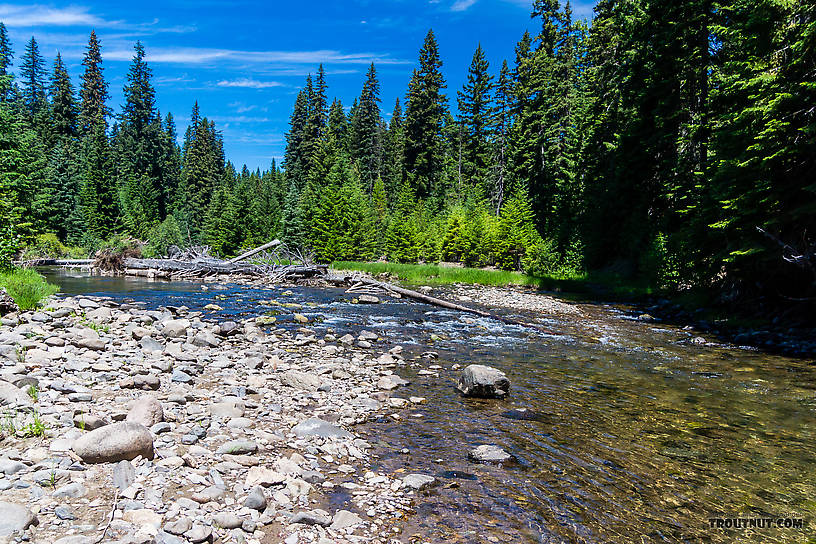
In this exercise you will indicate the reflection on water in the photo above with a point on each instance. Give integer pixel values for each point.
(621, 431)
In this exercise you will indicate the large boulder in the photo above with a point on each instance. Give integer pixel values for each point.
(7, 304)
(116, 442)
(484, 382)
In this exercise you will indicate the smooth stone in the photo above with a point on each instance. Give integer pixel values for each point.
(489, 454)
(179, 376)
(74, 490)
(15, 517)
(264, 477)
(418, 481)
(198, 533)
(343, 519)
(300, 380)
(483, 382)
(227, 520)
(238, 447)
(9, 467)
(64, 513)
(311, 518)
(317, 427)
(256, 500)
(180, 526)
(11, 395)
(115, 442)
(146, 411)
(88, 422)
(176, 328)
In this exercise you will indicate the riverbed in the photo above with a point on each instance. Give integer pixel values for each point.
(621, 428)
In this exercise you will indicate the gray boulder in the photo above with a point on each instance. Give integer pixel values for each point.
(116, 442)
(176, 328)
(483, 382)
(11, 395)
(418, 481)
(15, 518)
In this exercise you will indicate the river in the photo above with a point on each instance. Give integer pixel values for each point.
(621, 430)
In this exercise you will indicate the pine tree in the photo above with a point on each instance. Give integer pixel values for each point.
(33, 78)
(296, 156)
(93, 92)
(503, 118)
(425, 112)
(394, 153)
(366, 141)
(63, 103)
(475, 116)
(6, 57)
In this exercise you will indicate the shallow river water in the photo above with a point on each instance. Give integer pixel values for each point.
(621, 430)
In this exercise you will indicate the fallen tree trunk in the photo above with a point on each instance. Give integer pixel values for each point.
(216, 267)
(416, 295)
(54, 262)
(250, 253)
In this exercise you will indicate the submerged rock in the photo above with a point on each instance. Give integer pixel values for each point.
(483, 382)
(489, 454)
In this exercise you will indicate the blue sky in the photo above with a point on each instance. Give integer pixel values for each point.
(244, 61)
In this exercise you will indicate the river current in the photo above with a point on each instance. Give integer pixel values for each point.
(621, 430)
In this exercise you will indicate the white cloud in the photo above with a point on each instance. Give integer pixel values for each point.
(36, 15)
(249, 83)
(462, 5)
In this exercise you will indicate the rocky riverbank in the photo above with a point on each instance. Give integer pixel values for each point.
(230, 432)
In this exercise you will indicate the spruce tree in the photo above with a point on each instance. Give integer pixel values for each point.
(93, 92)
(475, 114)
(424, 116)
(33, 78)
(366, 142)
(63, 103)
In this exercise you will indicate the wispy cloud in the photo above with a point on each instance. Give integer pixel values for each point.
(37, 15)
(462, 5)
(203, 55)
(248, 83)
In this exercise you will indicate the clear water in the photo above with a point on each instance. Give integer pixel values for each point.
(622, 431)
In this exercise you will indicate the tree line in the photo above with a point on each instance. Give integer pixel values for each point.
(672, 141)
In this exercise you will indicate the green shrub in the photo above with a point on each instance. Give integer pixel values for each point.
(10, 243)
(541, 258)
(26, 287)
(166, 234)
(48, 246)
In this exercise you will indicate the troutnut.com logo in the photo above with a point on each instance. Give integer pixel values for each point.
(782, 522)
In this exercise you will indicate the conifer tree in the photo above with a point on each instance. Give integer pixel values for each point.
(63, 103)
(93, 92)
(366, 142)
(475, 113)
(424, 116)
(33, 78)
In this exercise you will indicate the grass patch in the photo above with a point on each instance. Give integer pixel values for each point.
(26, 287)
(428, 274)
(586, 285)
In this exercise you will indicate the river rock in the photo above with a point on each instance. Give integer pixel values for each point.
(111, 443)
(180, 526)
(238, 447)
(256, 500)
(74, 490)
(368, 299)
(7, 304)
(489, 454)
(228, 328)
(146, 411)
(11, 395)
(343, 519)
(176, 328)
(15, 517)
(227, 520)
(483, 382)
(312, 517)
(263, 476)
(300, 380)
(418, 481)
(317, 427)
(228, 407)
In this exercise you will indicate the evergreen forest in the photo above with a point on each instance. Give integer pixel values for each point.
(673, 142)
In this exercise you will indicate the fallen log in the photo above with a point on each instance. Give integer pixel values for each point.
(215, 267)
(250, 253)
(427, 299)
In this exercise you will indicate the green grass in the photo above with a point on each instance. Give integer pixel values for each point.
(428, 274)
(26, 287)
(592, 284)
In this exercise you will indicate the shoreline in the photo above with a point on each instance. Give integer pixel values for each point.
(216, 384)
